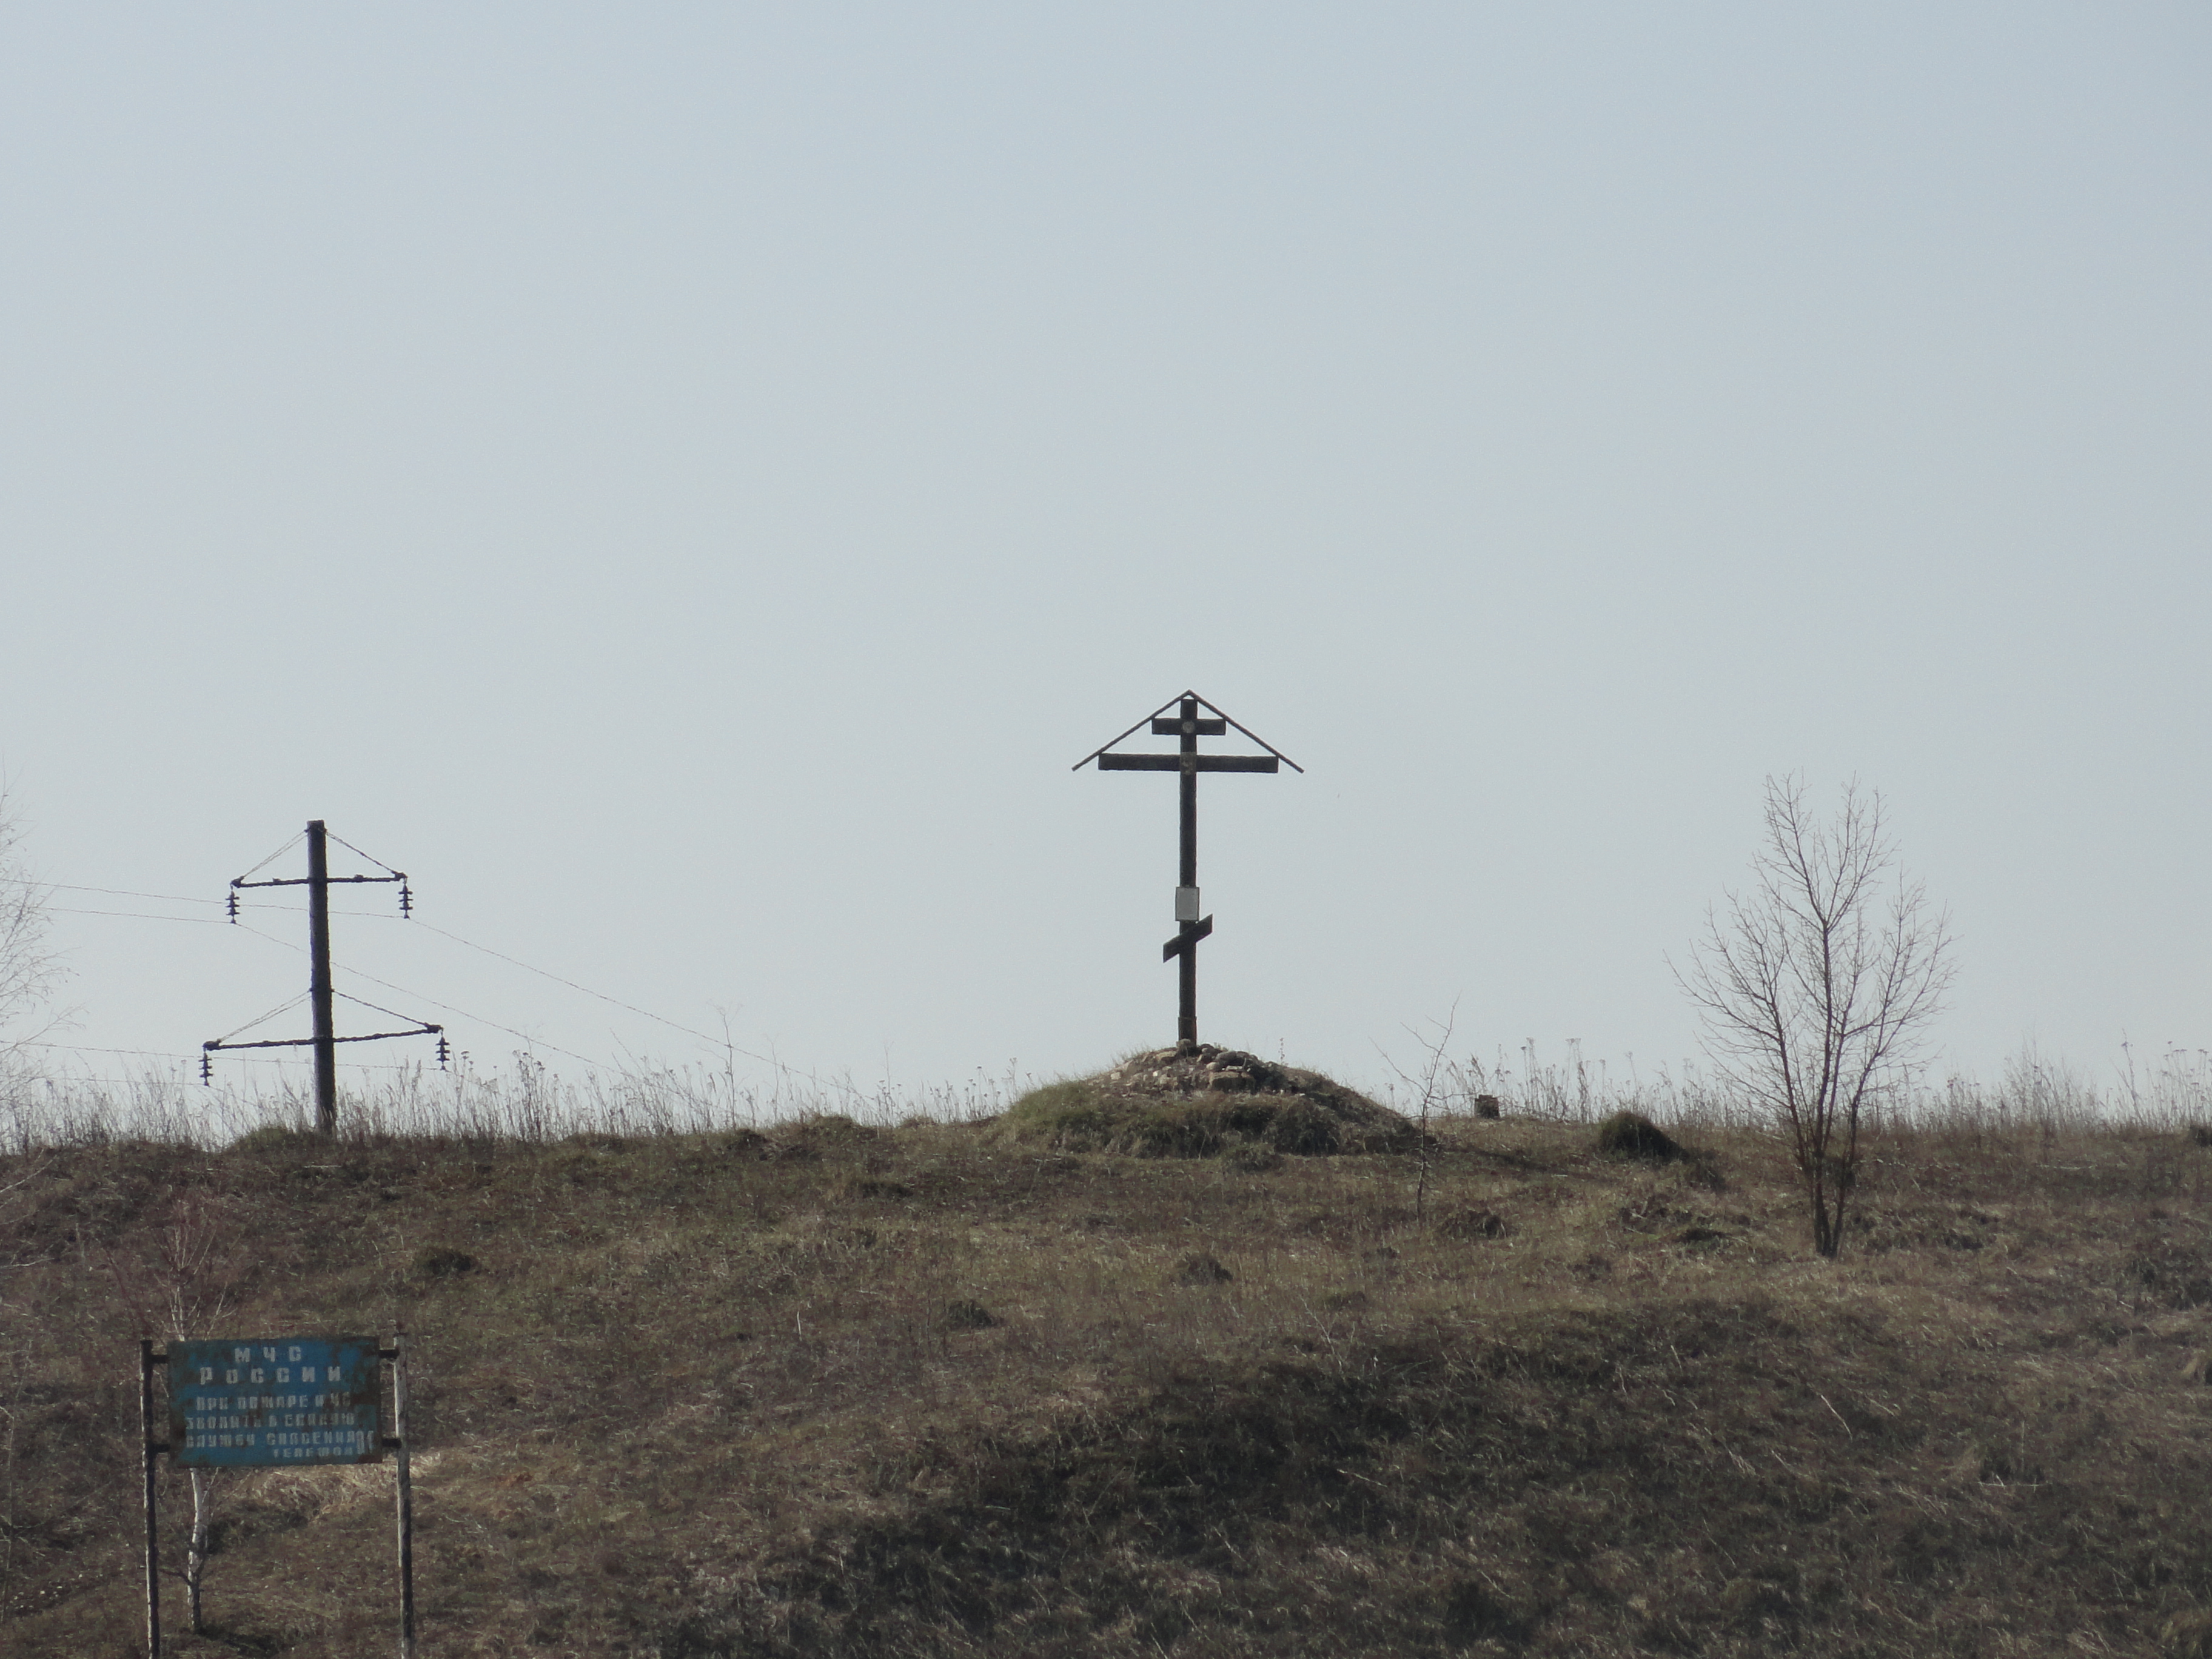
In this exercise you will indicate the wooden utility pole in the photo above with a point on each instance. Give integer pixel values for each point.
(318, 979)
(1188, 726)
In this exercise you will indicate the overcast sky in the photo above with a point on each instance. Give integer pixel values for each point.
(685, 482)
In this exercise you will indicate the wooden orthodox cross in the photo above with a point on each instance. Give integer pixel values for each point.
(1189, 726)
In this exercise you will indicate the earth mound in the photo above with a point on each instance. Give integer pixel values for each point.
(1203, 1102)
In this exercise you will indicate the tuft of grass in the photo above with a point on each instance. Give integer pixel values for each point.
(966, 1314)
(2174, 1272)
(1473, 1223)
(1202, 1267)
(277, 1138)
(2187, 1635)
(1632, 1134)
(1071, 1111)
(443, 1261)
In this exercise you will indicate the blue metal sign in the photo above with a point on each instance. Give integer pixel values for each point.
(274, 1400)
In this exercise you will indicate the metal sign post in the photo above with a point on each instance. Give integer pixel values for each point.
(151, 1449)
(396, 1352)
(283, 1402)
(1188, 725)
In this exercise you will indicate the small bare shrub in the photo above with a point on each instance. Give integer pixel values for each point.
(2171, 1272)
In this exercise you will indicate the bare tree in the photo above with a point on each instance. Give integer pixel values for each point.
(1430, 1085)
(18, 1350)
(29, 967)
(1817, 984)
(28, 970)
(179, 1275)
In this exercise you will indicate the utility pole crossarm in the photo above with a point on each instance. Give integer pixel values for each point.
(306, 1042)
(305, 881)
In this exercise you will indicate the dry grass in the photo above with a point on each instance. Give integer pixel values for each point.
(829, 1388)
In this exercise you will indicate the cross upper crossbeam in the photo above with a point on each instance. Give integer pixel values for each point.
(1197, 728)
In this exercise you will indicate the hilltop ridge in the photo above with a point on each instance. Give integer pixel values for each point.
(830, 1388)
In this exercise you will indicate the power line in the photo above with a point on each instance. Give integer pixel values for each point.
(113, 892)
(281, 943)
(720, 1042)
(278, 853)
(448, 1007)
(376, 916)
(85, 1048)
(163, 1054)
(282, 1007)
(211, 922)
(134, 915)
(544, 974)
(765, 1059)
(374, 1008)
(110, 1082)
(536, 1043)
(357, 853)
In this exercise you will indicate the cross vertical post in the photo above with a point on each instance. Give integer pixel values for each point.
(1187, 933)
(1187, 726)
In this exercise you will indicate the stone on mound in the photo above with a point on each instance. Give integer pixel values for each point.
(1202, 1102)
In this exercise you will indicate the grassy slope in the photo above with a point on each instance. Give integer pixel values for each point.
(702, 1395)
